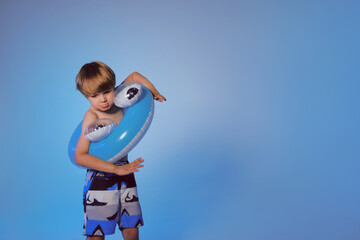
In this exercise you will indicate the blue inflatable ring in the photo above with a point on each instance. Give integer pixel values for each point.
(127, 134)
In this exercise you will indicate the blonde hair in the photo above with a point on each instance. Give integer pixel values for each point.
(95, 77)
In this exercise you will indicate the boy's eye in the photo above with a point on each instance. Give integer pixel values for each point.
(127, 94)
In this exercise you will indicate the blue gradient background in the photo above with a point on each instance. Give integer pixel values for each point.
(259, 138)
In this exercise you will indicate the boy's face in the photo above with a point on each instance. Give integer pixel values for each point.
(102, 101)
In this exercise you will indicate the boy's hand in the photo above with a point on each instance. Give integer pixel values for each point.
(158, 96)
(129, 168)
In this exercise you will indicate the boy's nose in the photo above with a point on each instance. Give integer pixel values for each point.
(102, 98)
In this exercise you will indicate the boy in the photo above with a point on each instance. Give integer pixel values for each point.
(110, 194)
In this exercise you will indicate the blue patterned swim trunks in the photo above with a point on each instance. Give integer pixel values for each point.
(108, 200)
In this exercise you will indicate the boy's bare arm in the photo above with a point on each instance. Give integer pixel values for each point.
(137, 77)
(83, 158)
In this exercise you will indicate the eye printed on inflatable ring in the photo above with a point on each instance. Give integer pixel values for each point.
(127, 94)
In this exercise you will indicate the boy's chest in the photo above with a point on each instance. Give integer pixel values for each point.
(116, 117)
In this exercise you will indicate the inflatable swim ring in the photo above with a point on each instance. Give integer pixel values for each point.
(128, 133)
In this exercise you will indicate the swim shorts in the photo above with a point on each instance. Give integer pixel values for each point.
(108, 200)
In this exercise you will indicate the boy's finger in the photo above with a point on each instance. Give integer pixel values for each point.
(135, 163)
(137, 160)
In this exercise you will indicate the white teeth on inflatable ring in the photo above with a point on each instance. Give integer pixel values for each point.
(99, 129)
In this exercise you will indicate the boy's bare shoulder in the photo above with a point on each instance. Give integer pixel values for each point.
(89, 117)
